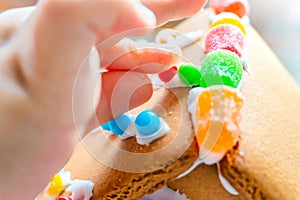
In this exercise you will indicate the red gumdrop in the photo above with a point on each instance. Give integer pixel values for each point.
(239, 7)
(225, 37)
(167, 75)
(63, 198)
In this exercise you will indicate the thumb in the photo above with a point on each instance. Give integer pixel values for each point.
(53, 48)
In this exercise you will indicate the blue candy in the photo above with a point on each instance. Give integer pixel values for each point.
(118, 125)
(147, 123)
(106, 126)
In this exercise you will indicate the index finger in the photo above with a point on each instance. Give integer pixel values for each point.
(168, 10)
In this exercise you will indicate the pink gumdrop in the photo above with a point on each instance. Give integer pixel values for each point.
(239, 7)
(226, 37)
(167, 75)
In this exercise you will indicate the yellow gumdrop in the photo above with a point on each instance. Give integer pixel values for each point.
(228, 18)
(56, 185)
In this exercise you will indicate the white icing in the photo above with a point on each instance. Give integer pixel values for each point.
(170, 36)
(246, 20)
(155, 80)
(66, 180)
(196, 164)
(171, 47)
(65, 176)
(227, 186)
(165, 194)
(164, 128)
(131, 131)
(246, 66)
(96, 130)
(174, 83)
(189, 38)
(192, 103)
(210, 158)
(205, 155)
(81, 189)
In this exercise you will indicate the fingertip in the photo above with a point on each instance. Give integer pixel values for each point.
(142, 94)
(121, 92)
(146, 14)
(169, 10)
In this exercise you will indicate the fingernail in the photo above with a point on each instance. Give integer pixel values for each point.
(148, 16)
(94, 59)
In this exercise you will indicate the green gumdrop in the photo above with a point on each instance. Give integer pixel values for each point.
(189, 75)
(221, 67)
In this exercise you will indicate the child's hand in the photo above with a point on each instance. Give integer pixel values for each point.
(48, 91)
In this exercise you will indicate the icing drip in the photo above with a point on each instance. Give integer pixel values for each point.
(196, 164)
(173, 83)
(169, 36)
(227, 186)
(205, 156)
(81, 189)
(131, 131)
(164, 128)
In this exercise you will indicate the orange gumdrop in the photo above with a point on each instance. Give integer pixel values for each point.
(218, 118)
(239, 7)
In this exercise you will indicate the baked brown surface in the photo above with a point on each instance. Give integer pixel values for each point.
(203, 184)
(266, 163)
(103, 158)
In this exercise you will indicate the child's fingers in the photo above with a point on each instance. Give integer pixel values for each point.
(168, 10)
(121, 91)
(53, 47)
(128, 55)
(8, 4)
(11, 19)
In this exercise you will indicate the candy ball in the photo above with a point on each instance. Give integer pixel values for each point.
(106, 126)
(120, 124)
(227, 37)
(240, 7)
(221, 67)
(147, 123)
(218, 116)
(167, 75)
(63, 198)
(189, 75)
(228, 18)
(56, 185)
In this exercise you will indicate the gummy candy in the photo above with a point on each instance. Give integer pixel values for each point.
(228, 18)
(118, 125)
(225, 36)
(147, 123)
(106, 126)
(189, 75)
(56, 185)
(218, 117)
(221, 67)
(239, 7)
